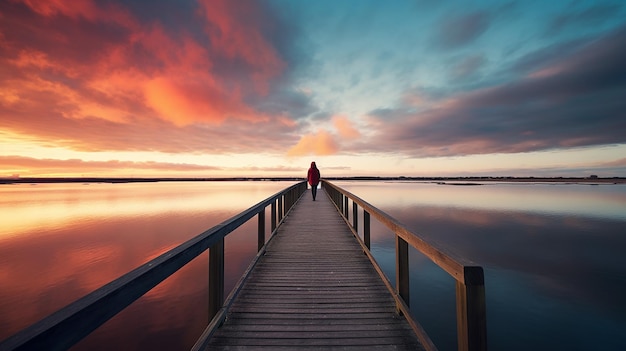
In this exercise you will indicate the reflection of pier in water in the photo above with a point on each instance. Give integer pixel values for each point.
(310, 284)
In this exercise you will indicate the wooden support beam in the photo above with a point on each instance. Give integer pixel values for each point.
(355, 217)
(366, 229)
(216, 278)
(471, 311)
(261, 230)
(273, 214)
(402, 269)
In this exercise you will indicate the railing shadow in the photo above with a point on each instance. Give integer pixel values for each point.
(470, 283)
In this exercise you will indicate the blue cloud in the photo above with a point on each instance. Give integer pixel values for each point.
(461, 30)
(575, 99)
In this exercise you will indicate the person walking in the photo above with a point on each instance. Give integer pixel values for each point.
(313, 177)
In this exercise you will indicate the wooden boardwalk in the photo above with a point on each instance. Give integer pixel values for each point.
(314, 289)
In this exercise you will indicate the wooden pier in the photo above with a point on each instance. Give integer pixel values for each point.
(314, 288)
(313, 285)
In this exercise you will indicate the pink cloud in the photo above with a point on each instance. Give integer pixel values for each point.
(345, 127)
(77, 8)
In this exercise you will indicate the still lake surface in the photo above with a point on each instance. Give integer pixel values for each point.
(554, 256)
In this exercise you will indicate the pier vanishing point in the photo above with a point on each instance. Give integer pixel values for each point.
(313, 285)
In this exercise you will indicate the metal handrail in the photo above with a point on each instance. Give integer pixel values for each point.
(67, 326)
(470, 281)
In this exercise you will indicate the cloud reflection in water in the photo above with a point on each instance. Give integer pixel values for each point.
(553, 272)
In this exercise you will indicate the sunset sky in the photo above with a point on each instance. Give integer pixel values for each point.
(216, 88)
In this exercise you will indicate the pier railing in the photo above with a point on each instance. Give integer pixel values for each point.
(470, 282)
(66, 327)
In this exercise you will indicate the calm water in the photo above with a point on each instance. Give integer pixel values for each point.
(59, 242)
(553, 254)
(554, 258)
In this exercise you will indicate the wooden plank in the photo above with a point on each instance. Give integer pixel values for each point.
(316, 324)
(391, 342)
(357, 320)
(322, 337)
(314, 288)
(319, 348)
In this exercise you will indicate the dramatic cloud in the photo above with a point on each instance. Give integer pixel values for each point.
(230, 79)
(573, 101)
(132, 82)
(145, 134)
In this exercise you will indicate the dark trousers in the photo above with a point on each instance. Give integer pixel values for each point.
(314, 191)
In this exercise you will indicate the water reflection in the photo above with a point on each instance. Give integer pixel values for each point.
(52, 206)
(555, 277)
(602, 201)
(553, 256)
(59, 242)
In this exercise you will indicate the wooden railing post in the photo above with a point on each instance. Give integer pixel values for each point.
(216, 278)
(283, 211)
(273, 214)
(280, 208)
(471, 311)
(402, 269)
(261, 230)
(340, 204)
(366, 229)
(355, 216)
(289, 199)
(345, 206)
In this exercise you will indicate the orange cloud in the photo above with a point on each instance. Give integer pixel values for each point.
(345, 128)
(70, 68)
(32, 58)
(319, 143)
(185, 101)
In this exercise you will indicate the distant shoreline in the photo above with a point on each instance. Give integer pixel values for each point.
(443, 180)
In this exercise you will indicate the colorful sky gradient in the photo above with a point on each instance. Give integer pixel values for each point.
(217, 88)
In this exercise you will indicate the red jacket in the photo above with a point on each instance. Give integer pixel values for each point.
(313, 176)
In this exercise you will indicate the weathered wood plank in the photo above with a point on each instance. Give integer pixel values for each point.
(364, 342)
(242, 319)
(314, 288)
(318, 348)
(347, 325)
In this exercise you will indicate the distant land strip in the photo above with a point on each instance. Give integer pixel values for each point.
(442, 180)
